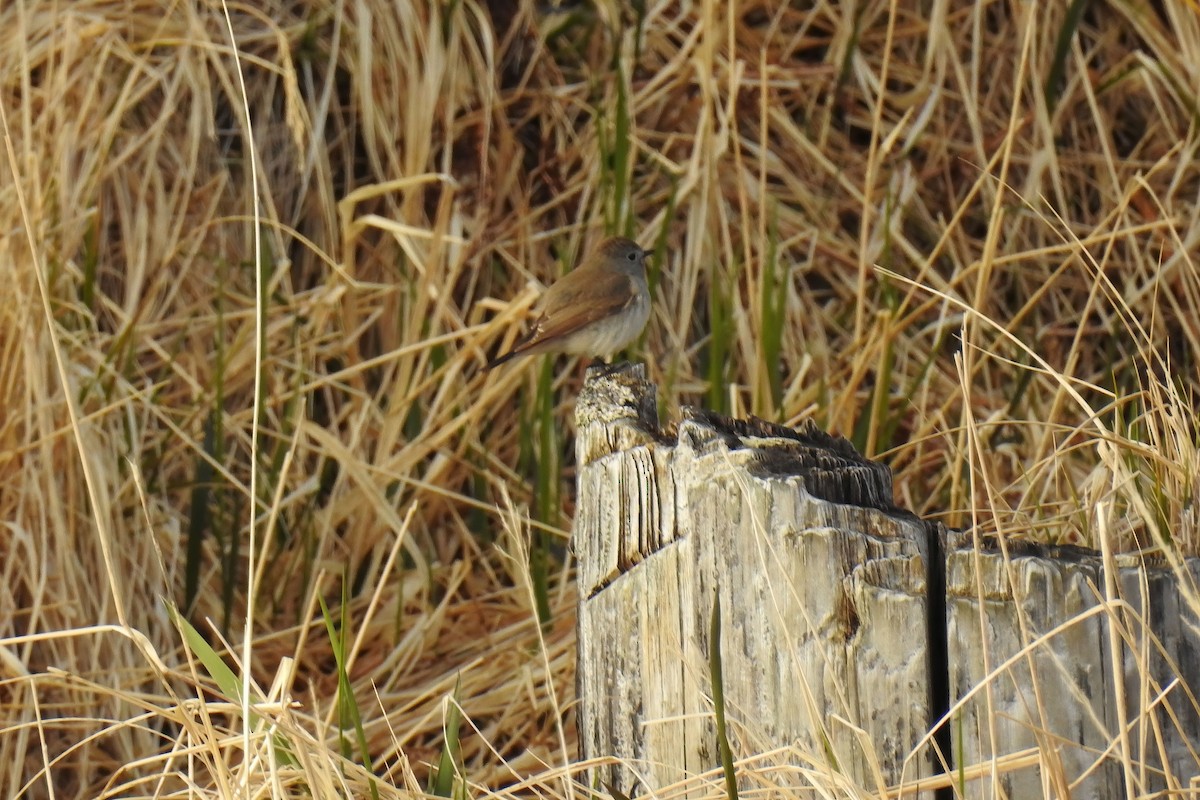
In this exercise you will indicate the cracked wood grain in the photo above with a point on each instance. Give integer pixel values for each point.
(819, 578)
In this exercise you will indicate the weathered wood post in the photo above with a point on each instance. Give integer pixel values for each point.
(852, 627)
(1073, 678)
(821, 584)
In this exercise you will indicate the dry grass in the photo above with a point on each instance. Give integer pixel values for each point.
(1025, 356)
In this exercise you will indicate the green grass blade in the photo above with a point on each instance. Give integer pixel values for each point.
(441, 782)
(774, 312)
(621, 218)
(720, 319)
(1062, 48)
(547, 491)
(349, 715)
(200, 514)
(718, 684)
(614, 792)
(229, 684)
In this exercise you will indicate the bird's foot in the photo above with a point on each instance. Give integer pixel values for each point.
(601, 370)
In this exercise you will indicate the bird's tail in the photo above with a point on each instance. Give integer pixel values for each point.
(498, 360)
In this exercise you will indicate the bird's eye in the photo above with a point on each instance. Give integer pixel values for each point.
(632, 256)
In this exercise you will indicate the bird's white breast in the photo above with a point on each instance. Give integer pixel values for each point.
(605, 336)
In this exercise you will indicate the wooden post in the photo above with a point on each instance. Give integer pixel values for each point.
(850, 627)
(1041, 655)
(821, 583)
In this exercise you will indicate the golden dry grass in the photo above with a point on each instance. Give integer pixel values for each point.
(996, 293)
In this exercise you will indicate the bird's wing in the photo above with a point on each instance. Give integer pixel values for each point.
(565, 311)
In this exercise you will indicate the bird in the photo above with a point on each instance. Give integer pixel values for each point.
(595, 309)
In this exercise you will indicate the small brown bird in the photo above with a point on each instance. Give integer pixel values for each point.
(597, 308)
